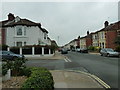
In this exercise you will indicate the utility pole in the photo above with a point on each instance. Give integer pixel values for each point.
(58, 40)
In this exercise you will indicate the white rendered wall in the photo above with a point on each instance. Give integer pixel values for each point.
(33, 34)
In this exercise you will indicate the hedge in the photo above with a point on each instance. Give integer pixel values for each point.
(38, 50)
(40, 78)
(46, 51)
(27, 50)
(51, 51)
(3, 47)
(15, 50)
(117, 49)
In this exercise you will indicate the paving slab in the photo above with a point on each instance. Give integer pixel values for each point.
(66, 79)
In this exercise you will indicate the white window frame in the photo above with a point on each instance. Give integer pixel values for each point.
(18, 42)
(24, 33)
(17, 28)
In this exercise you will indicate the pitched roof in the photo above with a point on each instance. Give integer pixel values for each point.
(83, 37)
(2, 23)
(113, 26)
(23, 22)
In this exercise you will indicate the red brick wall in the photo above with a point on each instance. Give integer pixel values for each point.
(110, 39)
(88, 41)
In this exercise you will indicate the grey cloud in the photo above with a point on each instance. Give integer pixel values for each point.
(65, 19)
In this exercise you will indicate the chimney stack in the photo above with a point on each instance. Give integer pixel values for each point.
(106, 24)
(87, 32)
(11, 17)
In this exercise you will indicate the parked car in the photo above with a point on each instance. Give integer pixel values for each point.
(59, 49)
(108, 52)
(78, 50)
(64, 51)
(73, 49)
(84, 50)
(8, 55)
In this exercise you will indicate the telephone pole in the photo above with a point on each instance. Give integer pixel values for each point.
(58, 40)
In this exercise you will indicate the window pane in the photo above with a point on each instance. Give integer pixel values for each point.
(24, 43)
(19, 44)
(19, 31)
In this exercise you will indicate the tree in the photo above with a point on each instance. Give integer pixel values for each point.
(54, 45)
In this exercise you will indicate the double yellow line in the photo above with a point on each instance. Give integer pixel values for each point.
(94, 77)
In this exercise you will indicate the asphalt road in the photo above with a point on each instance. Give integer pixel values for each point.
(106, 68)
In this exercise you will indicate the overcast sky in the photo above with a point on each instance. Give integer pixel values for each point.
(66, 20)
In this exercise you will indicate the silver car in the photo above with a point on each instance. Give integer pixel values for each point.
(108, 52)
(8, 55)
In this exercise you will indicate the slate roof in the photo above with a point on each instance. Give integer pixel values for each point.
(23, 22)
(114, 26)
(2, 23)
(111, 27)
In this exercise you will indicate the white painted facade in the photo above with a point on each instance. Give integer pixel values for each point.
(102, 39)
(72, 43)
(31, 35)
(95, 40)
(83, 43)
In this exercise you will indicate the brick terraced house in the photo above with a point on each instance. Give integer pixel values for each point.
(104, 38)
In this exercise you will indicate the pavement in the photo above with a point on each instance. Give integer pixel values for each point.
(95, 53)
(71, 79)
(56, 56)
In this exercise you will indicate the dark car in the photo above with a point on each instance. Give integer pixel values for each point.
(108, 52)
(8, 55)
(83, 50)
(64, 51)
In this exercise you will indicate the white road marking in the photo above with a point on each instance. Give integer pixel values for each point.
(67, 60)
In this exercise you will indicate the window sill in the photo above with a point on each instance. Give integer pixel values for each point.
(20, 36)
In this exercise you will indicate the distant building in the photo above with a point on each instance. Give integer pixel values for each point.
(104, 38)
(88, 39)
(83, 42)
(72, 44)
(20, 32)
(112, 32)
(95, 39)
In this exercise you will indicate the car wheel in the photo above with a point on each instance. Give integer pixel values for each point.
(101, 54)
(108, 55)
(118, 56)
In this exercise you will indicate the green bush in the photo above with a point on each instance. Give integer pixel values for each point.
(4, 47)
(6, 66)
(91, 48)
(4, 69)
(40, 78)
(24, 72)
(17, 66)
